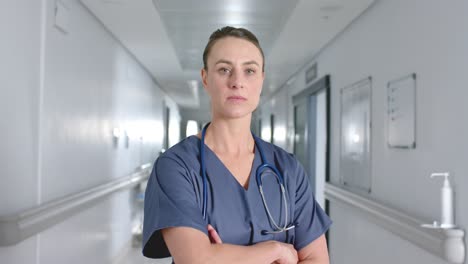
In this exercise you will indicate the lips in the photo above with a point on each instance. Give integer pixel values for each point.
(237, 98)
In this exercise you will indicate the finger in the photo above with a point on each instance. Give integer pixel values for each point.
(290, 254)
(212, 234)
(214, 237)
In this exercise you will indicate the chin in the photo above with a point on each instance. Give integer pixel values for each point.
(236, 114)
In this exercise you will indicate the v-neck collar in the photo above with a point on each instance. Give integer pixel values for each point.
(210, 155)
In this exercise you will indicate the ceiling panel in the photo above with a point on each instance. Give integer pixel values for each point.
(256, 6)
(168, 36)
(190, 23)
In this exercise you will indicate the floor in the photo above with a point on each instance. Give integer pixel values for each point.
(134, 256)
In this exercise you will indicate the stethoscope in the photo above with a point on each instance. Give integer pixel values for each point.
(262, 168)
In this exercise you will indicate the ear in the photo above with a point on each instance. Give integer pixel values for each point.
(204, 76)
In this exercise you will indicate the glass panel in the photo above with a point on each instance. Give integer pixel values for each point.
(355, 135)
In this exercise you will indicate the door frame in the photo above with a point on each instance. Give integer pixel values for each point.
(314, 88)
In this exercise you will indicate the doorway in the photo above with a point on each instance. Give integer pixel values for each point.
(311, 130)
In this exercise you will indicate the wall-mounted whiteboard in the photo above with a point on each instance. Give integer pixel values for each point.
(401, 112)
(355, 158)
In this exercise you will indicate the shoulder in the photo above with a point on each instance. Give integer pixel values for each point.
(183, 154)
(187, 148)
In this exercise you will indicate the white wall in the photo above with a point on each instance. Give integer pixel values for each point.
(390, 40)
(62, 96)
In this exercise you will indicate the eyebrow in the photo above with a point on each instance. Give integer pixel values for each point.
(230, 63)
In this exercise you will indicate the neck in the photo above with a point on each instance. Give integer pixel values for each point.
(231, 137)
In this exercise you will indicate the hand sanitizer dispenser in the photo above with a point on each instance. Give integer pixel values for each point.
(447, 216)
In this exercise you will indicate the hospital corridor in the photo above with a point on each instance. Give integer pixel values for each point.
(365, 101)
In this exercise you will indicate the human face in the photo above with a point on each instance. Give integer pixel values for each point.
(234, 77)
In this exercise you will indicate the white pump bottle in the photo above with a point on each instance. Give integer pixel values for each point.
(447, 217)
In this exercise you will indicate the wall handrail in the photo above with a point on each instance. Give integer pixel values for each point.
(446, 243)
(17, 227)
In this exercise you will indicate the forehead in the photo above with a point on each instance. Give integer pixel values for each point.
(234, 49)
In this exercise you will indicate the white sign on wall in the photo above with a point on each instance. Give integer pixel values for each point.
(401, 112)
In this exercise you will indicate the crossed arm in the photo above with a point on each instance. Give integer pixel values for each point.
(189, 245)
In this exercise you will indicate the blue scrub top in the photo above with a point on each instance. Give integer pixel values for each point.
(174, 198)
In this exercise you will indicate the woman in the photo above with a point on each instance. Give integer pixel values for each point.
(232, 208)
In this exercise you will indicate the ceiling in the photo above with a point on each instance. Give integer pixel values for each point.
(168, 36)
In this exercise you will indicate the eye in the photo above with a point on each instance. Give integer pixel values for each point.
(224, 70)
(250, 71)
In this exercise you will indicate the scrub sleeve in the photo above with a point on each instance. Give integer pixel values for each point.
(170, 201)
(310, 219)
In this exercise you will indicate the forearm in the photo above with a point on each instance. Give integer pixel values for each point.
(266, 252)
(315, 253)
(191, 246)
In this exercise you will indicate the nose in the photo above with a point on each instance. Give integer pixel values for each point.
(236, 80)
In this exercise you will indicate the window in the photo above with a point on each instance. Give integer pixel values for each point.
(192, 128)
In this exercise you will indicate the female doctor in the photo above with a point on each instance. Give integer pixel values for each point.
(224, 195)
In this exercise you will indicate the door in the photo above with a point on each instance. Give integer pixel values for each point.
(311, 127)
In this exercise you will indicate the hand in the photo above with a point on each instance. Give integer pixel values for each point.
(214, 237)
(288, 254)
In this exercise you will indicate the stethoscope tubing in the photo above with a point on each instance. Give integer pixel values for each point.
(258, 177)
(203, 169)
